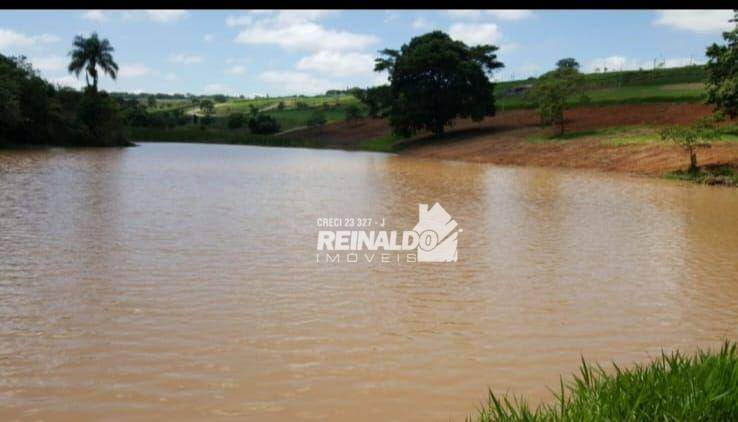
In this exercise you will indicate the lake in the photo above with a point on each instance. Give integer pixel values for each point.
(181, 281)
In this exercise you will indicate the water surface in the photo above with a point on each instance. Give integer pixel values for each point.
(179, 281)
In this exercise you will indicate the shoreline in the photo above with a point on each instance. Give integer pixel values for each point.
(620, 139)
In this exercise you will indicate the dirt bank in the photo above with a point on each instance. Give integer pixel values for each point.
(515, 138)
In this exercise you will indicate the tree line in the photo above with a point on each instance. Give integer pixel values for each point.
(35, 112)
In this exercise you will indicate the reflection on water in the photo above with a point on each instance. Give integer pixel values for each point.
(180, 281)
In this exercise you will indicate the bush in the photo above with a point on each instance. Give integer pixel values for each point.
(692, 138)
(352, 112)
(263, 124)
(236, 121)
(317, 118)
(206, 120)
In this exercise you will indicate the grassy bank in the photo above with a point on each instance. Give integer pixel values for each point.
(675, 93)
(386, 143)
(673, 387)
(708, 175)
(217, 136)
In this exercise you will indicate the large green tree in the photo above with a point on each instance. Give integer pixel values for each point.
(722, 73)
(88, 54)
(434, 79)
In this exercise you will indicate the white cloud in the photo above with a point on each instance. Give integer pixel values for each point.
(390, 16)
(133, 70)
(10, 38)
(231, 60)
(297, 30)
(420, 23)
(241, 20)
(208, 37)
(299, 16)
(184, 58)
(463, 14)
(216, 89)
(165, 16)
(295, 83)
(611, 63)
(236, 70)
(475, 33)
(502, 14)
(338, 64)
(699, 21)
(616, 63)
(509, 14)
(158, 16)
(68, 81)
(95, 16)
(49, 63)
(170, 76)
(46, 38)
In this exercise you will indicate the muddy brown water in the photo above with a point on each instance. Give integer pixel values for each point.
(179, 281)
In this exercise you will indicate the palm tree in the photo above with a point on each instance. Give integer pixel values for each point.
(90, 52)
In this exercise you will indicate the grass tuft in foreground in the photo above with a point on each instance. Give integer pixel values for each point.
(673, 387)
(708, 175)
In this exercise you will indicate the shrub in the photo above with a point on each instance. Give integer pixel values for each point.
(263, 124)
(236, 120)
(317, 118)
(692, 138)
(352, 112)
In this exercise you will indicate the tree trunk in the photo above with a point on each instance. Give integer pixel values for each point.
(439, 129)
(692, 162)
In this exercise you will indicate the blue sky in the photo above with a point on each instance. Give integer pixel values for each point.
(308, 52)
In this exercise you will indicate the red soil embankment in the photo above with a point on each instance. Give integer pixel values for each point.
(508, 138)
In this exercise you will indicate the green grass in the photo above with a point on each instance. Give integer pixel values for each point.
(615, 136)
(217, 136)
(682, 93)
(291, 118)
(623, 135)
(670, 76)
(708, 175)
(674, 387)
(243, 106)
(386, 143)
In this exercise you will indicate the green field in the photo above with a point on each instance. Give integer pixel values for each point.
(674, 85)
(295, 112)
(671, 93)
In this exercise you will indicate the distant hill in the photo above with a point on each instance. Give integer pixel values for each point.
(678, 84)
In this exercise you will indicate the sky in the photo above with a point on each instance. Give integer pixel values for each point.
(258, 52)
